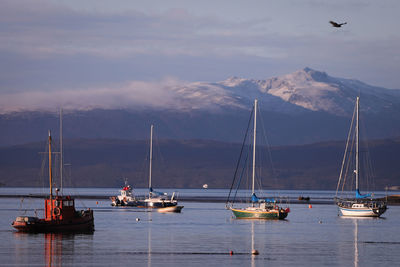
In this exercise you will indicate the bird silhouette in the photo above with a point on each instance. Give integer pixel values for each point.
(337, 25)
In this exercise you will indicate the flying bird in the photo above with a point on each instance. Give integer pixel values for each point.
(337, 25)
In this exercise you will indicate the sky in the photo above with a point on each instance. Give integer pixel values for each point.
(104, 47)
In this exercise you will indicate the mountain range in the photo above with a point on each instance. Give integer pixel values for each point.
(306, 106)
(192, 163)
(304, 89)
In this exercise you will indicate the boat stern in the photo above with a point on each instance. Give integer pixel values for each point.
(24, 223)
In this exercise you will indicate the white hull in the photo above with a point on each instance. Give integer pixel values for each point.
(170, 209)
(360, 209)
(358, 212)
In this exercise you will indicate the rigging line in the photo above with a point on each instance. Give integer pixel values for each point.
(268, 148)
(345, 151)
(73, 190)
(161, 166)
(349, 163)
(369, 172)
(241, 175)
(41, 173)
(145, 170)
(240, 155)
(258, 181)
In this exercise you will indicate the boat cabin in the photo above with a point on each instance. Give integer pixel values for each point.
(126, 191)
(59, 208)
(358, 205)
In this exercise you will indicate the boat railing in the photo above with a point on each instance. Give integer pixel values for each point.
(371, 203)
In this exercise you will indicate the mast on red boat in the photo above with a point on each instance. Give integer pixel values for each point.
(50, 178)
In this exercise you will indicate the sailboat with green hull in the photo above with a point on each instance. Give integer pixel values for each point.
(261, 212)
(259, 208)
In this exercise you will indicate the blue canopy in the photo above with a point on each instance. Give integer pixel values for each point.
(358, 195)
(254, 198)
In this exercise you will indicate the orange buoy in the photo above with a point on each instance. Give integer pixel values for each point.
(97, 203)
(310, 206)
(231, 252)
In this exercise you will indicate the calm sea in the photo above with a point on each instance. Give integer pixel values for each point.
(203, 235)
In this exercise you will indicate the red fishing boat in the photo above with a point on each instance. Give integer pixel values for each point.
(60, 214)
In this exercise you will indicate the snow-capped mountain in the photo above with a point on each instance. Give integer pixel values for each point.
(302, 90)
(302, 107)
(308, 89)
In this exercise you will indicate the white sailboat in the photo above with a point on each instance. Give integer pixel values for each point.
(360, 205)
(158, 199)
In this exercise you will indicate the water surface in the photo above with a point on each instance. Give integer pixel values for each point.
(202, 235)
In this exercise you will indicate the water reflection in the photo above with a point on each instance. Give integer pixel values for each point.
(48, 249)
(53, 249)
(149, 239)
(356, 221)
(252, 244)
(355, 242)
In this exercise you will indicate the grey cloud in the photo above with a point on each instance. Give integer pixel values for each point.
(134, 94)
(45, 46)
(53, 30)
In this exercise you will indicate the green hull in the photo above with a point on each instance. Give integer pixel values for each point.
(273, 214)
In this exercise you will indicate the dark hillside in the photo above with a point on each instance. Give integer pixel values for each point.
(190, 164)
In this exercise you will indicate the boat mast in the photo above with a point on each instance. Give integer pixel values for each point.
(50, 173)
(357, 139)
(151, 155)
(61, 152)
(254, 147)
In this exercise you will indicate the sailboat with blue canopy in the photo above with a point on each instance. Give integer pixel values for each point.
(361, 205)
(259, 208)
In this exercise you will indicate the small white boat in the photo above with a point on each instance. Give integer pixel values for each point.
(125, 197)
(170, 209)
(205, 186)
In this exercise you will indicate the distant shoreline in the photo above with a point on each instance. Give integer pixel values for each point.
(393, 200)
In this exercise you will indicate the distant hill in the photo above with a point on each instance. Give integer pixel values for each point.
(190, 164)
(306, 106)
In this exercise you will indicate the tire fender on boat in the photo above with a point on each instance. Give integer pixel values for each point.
(57, 211)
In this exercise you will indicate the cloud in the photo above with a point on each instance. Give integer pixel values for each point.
(44, 29)
(134, 94)
(50, 45)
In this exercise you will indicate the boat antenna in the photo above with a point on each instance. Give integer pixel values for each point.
(254, 148)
